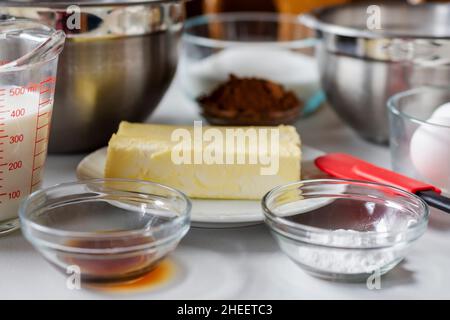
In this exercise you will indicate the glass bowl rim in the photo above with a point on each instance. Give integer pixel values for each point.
(182, 219)
(206, 19)
(270, 216)
(392, 105)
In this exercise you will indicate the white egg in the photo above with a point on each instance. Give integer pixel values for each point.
(442, 114)
(430, 148)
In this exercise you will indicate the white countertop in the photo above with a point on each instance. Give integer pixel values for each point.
(240, 263)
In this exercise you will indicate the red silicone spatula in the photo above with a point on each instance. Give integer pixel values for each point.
(345, 166)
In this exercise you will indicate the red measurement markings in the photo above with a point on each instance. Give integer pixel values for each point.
(45, 81)
(35, 184)
(37, 168)
(38, 154)
(49, 90)
(42, 128)
(1, 172)
(43, 103)
(2, 100)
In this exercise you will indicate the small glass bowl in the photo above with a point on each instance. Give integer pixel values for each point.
(269, 46)
(342, 229)
(420, 135)
(107, 229)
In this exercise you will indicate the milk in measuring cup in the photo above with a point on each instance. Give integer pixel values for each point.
(28, 66)
(25, 114)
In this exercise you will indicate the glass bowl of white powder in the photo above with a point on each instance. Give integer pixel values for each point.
(342, 229)
(268, 46)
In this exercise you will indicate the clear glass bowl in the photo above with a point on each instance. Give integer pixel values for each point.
(342, 229)
(111, 229)
(271, 46)
(420, 135)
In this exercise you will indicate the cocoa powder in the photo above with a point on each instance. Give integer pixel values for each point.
(250, 101)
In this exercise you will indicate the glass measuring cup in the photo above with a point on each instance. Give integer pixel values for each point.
(28, 63)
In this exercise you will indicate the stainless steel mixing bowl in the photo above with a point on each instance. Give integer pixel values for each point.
(361, 67)
(116, 65)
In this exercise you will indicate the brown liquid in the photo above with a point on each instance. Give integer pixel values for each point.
(111, 267)
(160, 275)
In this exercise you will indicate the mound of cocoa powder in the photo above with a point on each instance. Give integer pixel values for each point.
(250, 101)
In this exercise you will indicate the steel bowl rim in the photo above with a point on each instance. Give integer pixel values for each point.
(62, 4)
(312, 20)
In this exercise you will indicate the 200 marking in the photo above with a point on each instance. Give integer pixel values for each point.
(15, 165)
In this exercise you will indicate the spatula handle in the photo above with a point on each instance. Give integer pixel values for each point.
(435, 200)
(345, 166)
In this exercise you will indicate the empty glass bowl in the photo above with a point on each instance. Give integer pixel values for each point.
(110, 229)
(420, 134)
(270, 46)
(342, 229)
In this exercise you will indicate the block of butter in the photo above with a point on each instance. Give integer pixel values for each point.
(204, 161)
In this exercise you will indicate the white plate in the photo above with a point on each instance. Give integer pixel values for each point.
(211, 213)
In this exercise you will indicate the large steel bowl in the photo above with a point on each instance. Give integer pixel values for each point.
(116, 66)
(362, 66)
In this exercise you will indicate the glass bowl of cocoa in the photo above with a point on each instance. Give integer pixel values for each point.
(250, 68)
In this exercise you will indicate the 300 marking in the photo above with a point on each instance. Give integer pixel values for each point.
(16, 138)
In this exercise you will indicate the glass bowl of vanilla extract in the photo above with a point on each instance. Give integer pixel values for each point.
(110, 230)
